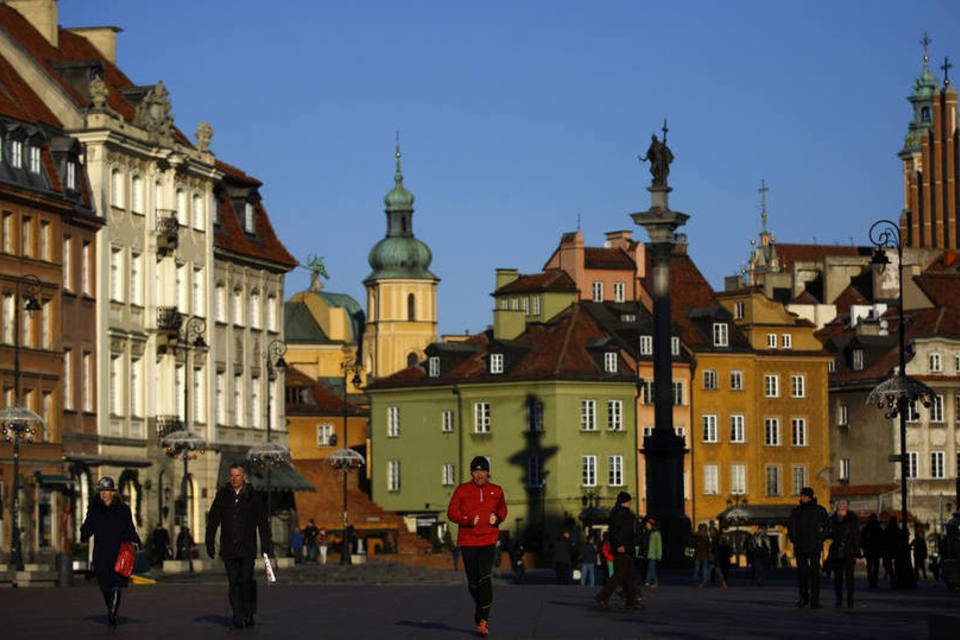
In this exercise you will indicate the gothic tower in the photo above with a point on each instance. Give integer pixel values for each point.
(931, 163)
(401, 291)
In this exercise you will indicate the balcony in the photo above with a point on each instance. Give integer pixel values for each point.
(167, 424)
(169, 321)
(168, 232)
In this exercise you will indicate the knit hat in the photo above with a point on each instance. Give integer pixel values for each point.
(622, 497)
(106, 484)
(479, 463)
(807, 491)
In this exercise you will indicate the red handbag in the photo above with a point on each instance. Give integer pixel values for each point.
(125, 558)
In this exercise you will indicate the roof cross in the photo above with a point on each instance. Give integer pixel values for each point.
(665, 130)
(946, 66)
(763, 202)
(925, 41)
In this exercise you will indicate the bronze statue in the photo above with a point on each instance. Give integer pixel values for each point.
(660, 157)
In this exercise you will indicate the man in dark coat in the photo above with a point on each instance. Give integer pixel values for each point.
(871, 541)
(807, 529)
(622, 543)
(239, 513)
(563, 558)
(160, 543)
(310, 534)
(844, 550)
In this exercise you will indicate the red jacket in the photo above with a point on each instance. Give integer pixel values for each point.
(470, 501)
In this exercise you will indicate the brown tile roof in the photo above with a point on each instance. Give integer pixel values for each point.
(18, 101)
(549, 280)
(688, 290)
(229, 235)
(607, 258)
(324, 402)
(805, 297)
(862, 489)
(793, 253)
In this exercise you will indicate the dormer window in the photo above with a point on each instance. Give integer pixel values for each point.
(72, 176)
(738, 311)
(433, 364)
(611, 363)
(16, 154)
(674, 346)
(496, 363)
(33, 154)
(857, 357)
(248, 224)
(646, 345)
(720, 337)
(936, 363)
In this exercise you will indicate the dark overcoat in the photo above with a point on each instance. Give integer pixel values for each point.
(238, 516)
(109, 526)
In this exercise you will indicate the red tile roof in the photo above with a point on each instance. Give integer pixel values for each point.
(549, 280)
(607, 258)
(862, 489)
(793, 253)
(688, 290)
(18, 101)
(229, 235)
(324, 402)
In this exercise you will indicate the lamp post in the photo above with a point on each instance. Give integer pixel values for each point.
(344, 460)
(896, 395)
(20, 423)
(735, 501)
(186, 445)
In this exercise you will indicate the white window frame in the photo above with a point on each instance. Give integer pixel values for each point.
(481, 417)
(588, 470)
(588, 415)
(798, 432)
(771, 432)
(936, 409)
(674, 346)
(774, 488)
(786, 341)
(393, 475)
(678, 394)
(496, 363)
(771, 341)
(619, 292)
(738, 310)
(936, 362)
(615, 415)
(843, 414)
(16, 153)
(393, 422)
(843, 473)
(433, 366)
(324, 433)
(709, 432)
(913, 465)
(136, 194)
(736, 380)
(857, 360)
(711, 479)
(771, 385)
(117, 188)
(738, 433)
(249, 217)
(646, 345)
(611, 362)
(799, 476)
(615, 470)
(738, 479)
(446, 421)
(710, 379)
(938, 465)
(596, 290)
(798, 386)
(448, 474)
(71, 175)
(721, 334)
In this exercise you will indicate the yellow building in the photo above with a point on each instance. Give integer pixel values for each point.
(316, 421)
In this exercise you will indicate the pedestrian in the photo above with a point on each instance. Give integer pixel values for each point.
(642, 542)
(654, 552)
(724, 553)
(902, 570)
(239, 513)
(844, 531)
(110, 522)
(919, 547)
(871, 544)
(714, 552)
(159, 544)
(517, 562)
(622, 542)
(310, 533)
(184, 543)
(891, 542)
(322, 544)
(701, 555)
(760, 552)
(807, 529)
(563, 558)
(296, 545)
(478, 507)
(588, 562)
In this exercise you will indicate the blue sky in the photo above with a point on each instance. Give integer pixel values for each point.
(516, 117)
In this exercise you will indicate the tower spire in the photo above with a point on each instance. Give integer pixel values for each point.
(398, 177)
(926, 41)
(763, 203)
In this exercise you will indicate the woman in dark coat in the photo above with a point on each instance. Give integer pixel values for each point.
(844, 531)
(110, 522)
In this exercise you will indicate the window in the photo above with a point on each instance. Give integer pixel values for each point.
(832, 366)
(619, 290)
(26, 231)
(674, 346)
(738, 311)
(411, 308)
(393, 475)
(271, 313)
(324, 434)
(588, 415)
(771, 341)
(68, 379)
(786, 341)
(7, 232)
(597, 290)
(116, 188)
(913, 411)
(514, 304)
(393, 422)
(433, 366)
(220, 302)
(535, 311)
(9, 311)
(647, 430)
(116, 274)
(711, 480)
(199, 299)
(773, 481)
(237, 307)
(738, 479)
(221, 398)
(496, 363)
(799, 479)
(136, 375)
(534, 471)
(449, 476)
(181, 286)
(611, 362)
(481, 417)
(254, 310)
(446, 421)
(45, 240)
(196, 210)
(709, 378)
(646, 345)
(615, 470)
(736, 380)
(525, 304)
(936, 409)
(646, 390)
(842, 414)
(798, 430)
(33, 153)
(844, 472)
(678, 394)
(771, 430)
(798, 387)
(710, 428)
(588, 471)
(68, 263)
(857, 360)
(720, 337)
(937, 465)
(248, 217)
(913, 465)
(956, 362)
(16, 153)
(86, 381)
(136, 194)
(771, 385)
(86, 257)
(615, 415)
(737, 433)
(237, 399)
(255, 411)
(116, 375)
(72, 176)
(45, 318)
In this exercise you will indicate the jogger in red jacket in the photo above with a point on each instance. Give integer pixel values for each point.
(478, 508)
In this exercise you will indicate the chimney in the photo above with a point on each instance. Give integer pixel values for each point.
(42, 14)
(618, 239)
(505, 277)
(104, 39)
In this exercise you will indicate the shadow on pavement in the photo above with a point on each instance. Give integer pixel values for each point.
(221, 620)
(426, 624)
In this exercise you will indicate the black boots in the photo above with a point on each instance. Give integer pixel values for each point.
(112, 600)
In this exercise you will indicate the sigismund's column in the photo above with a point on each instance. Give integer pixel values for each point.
(664, 449)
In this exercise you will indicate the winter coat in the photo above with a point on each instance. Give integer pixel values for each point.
(919, 547)
(588, 553)
(563, 551)
(310, 534)
(238, 516)
(871, 539)
(701, 545)
(622, 532)
(654, 545)
(807, 528)
(845, 535)
(470, 500)
(109, 526)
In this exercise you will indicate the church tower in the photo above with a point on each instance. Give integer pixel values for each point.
(401, 291)
(931, 162)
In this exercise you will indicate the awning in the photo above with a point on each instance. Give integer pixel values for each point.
(286, 478)
(755, 514)
(94, 460)
(53, 480)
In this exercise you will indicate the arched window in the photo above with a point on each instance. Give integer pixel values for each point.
(412, 359)
(411, 307)
(925, 114)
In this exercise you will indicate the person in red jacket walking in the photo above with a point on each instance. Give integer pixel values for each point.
(478, 508)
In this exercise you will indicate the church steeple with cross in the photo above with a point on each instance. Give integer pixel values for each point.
(763, 255)
(931, 167)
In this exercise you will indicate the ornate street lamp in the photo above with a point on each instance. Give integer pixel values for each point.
(186, 445)
(349, 365)
(345, 460)
(896, 395)
(737, 514)
(269, 456)
(20, 423)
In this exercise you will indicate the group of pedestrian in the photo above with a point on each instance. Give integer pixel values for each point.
(313, 539)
